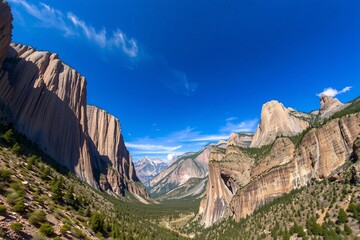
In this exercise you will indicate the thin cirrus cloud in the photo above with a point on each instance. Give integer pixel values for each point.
(331, 92)
(68, 24)
(186, 140)
(71, 25)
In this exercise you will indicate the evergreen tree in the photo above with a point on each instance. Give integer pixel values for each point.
(342, 217)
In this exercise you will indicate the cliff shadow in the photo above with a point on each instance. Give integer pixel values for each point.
(40, 114)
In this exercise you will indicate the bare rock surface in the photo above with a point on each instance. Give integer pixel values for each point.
(276, 120)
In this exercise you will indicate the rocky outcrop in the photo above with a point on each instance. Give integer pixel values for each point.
(229, 169)
(47, 101)
(329, 105)
(114, 161)
(355, 169)
(241, 140)
(276, 120)
(187, 166)
(148, 168)
(5, 30)
(238, 184)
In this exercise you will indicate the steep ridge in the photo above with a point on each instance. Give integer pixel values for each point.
(241, 140)
(185, 168)
(148, 168)
(276, 120)
(239, 183)
(116, 166)
(329, 105)
(45, 100)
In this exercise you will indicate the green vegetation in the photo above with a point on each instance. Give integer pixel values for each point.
(37, 217)
(16, 227)
(318, 211)
(258, 153)
(2, 209)
(46, 229)
(43, 194)
(354, 107)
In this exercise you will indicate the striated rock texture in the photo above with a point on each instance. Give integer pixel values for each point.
(47, 101)
(114, 161)
(5, 30)
(276, 120)
(239, 183)
(241, 140)
(329, 105)
(185, 168)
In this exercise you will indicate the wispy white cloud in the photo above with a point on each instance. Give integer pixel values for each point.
(210, 138)
(151, 147)
(334, 92)
(244, 126)
(47, 16)
(180, 84)
(69, 23)
(187, 140)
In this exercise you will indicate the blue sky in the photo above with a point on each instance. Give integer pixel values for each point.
(181, 74)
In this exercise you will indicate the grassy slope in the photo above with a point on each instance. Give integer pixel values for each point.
(34, 182)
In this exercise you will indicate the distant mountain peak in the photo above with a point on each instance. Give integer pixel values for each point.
(147, 168)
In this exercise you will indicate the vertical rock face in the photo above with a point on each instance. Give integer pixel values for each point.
(5, 39)
(114, 161)
(229, 169)
(5, 30)
(276, 120)
(238, 183)
(47, 101)
(355, 170)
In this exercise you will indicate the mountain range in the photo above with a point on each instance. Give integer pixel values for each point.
(45, 100)
(148, 168)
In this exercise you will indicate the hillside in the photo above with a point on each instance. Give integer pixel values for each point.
(323, 210)
(39, 199)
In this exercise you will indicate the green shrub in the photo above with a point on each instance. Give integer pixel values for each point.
(16, 227)
(19, 206)
(16, 149)
(12, 198)
(9, 136)
(342, 217)
(347, 229)
(5, 175)
(64, 228)
(46, 229)
(37, 217)
(2, 209)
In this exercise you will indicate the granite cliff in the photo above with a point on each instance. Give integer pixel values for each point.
(276, 120)
(117, 171)
(45, 100)
(240, 181)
